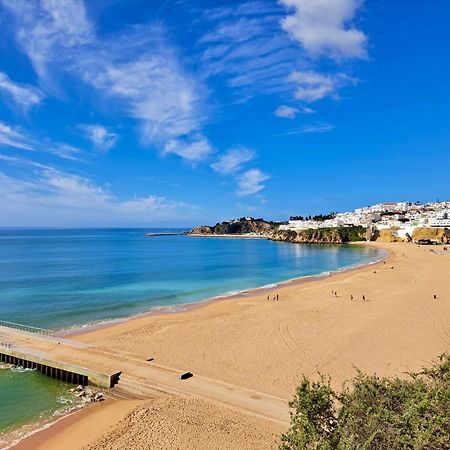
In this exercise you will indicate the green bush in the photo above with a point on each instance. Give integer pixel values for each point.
(373, 413)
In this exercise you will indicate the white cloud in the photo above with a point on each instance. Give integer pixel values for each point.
(306, 110)
(46, 196)
(312, 86)
(194, 150)
(99, 135)
(26, 96)
(323, 27)
(49, 30)
(138, 71)
(286, 112)
(153, 89)
(245, 46)
(289, 112)
(15, 138)
(318, 127)
(65, 151)
(233, 160)
(250, 182)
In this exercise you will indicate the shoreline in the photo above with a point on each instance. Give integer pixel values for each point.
(248, 341)
(15, 436)
(40, 437)
(78, 330)
(173, 310)
(229, 236)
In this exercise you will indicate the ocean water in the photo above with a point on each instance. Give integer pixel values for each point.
(27, 396)
(60, 278)
(63, 278)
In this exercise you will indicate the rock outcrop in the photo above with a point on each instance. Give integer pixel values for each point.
(271, 230)
(439, 235)
(238, 227)
(87, 395)
(339, 235)
(386, 235)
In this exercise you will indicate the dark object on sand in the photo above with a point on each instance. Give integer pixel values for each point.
(185, 375)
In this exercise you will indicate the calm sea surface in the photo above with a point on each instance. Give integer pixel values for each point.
(61, 278)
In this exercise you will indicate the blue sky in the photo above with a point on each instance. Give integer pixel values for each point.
(176, 112)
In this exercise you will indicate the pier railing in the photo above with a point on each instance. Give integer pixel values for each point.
(26, 328)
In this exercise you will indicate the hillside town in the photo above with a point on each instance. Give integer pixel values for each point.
(403, 217)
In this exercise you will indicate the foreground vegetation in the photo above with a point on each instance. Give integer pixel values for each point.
(373, 413)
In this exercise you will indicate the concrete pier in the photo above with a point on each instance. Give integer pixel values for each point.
(63, 371)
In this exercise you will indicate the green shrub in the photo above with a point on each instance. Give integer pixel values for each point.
(373, 413)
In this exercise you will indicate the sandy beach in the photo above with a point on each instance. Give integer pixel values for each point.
(253, 344)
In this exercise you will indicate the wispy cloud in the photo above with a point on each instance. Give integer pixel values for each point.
(152, 88)
(232, 160)
(266, 49)
(318, 127)
(323, 28)
(193, 150)
(313, 86)
(245, 46)
(289, 112)
(138, 71)
(251, 182)
(14, 137)
(100, 136)
(56, 197)
(66, 151)
(49, 30)
(24, 95)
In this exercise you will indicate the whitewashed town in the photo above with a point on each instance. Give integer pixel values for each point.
(403, 217)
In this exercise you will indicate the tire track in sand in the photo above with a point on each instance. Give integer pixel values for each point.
(437, 322)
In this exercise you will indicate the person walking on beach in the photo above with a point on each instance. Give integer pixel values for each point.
(364, 297)
(335, 293)
(332, 293)
(351, 297)
(277, 297)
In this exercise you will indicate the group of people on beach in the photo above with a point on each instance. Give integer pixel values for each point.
(335, 294)
(275, 298)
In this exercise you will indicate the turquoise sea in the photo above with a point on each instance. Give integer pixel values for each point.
(59, 278)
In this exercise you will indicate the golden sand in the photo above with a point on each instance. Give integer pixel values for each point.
(266, 346)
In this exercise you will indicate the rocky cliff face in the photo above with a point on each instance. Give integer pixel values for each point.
(241, 226)
(441, 235)
(387, 236)
(270, 230)
(339, 235)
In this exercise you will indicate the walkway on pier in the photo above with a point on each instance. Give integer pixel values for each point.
(141, 379)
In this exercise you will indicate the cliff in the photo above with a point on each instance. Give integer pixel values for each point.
(440, 235)
(271, 231)
(387, 235)
(339, 235)
(238, 227)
